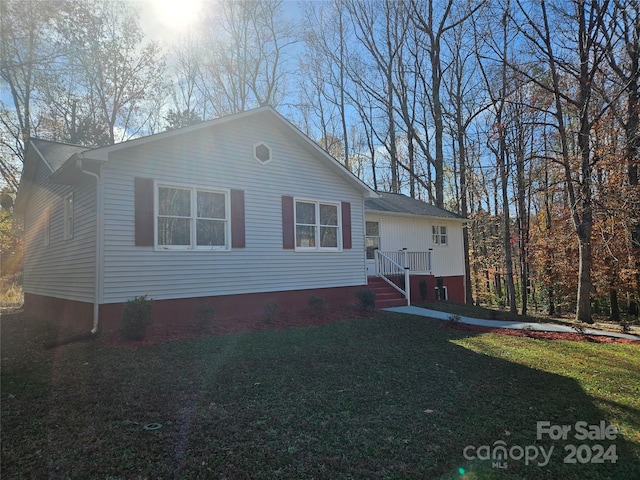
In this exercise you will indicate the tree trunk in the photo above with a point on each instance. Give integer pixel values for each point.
(508, 260)
(583, 310)
(614, 312)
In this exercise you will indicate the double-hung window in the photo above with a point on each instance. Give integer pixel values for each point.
(191, 218)
(439, 234)
(317, 225)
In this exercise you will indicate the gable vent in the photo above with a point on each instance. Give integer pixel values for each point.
(262, 152)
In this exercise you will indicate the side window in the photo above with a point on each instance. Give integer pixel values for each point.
(68, 216)
(317, 225)
(192, 218)
(439, 234)
(372, 240)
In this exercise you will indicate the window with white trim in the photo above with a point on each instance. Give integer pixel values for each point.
(68, 216)
(46, 232)
(442, 293)
(191, 218)
(439, 233)
(317, 225)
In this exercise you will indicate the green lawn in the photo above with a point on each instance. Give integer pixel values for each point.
(390, 397)
(600, 321)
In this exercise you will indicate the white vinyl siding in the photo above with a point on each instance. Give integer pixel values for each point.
(416, 235)
(46, 234)
(64, 268)
(222, 159)
(68, 216)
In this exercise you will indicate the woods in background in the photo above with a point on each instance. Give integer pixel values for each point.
(522, 115)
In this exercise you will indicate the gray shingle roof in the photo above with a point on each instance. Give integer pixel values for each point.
(398, 203)
(56, 153)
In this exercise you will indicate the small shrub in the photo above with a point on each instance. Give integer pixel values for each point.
(136, 317)
(269, 311)
(366, 299)
(316, 305)
(205, 315)
(454, 318)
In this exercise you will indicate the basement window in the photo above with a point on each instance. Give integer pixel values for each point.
(442, 293)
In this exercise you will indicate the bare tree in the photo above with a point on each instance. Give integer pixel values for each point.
(249, 46)
(466, 102)
(435, 20)
(326, 35)
(118, 71)
(381, 28)
(583, 35)
(498, 87)
(622, 33)
(29, 47)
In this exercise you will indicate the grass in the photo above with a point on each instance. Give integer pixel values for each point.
(391, 397)
(475, 311)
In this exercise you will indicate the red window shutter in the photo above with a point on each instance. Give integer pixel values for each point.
(288, 223)
(144, 212)
(237, 219)
(346, 225)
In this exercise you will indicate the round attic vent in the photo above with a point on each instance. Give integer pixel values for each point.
(262, 152)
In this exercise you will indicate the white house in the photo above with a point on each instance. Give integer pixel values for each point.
(233, 212)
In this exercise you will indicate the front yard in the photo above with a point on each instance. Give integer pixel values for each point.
(388, 397)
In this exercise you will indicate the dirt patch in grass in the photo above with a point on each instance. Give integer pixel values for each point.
(574, 337)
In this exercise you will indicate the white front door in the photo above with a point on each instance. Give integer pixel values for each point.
(372, 243)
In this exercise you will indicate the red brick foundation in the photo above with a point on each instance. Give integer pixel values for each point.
(176, 315)
(454, 284)
(71, 315)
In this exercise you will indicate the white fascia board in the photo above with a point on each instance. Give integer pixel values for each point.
(414, 215)
(44, 160)
(102, 153)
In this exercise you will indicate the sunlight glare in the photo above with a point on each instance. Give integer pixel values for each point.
(178, 15)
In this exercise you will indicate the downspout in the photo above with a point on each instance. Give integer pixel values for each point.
(98, 266)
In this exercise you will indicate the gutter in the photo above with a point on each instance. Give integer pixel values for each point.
(98, 266)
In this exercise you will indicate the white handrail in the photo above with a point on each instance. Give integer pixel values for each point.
(418, 262)
(387, 267)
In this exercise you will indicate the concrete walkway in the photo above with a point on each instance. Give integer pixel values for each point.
(544, 327)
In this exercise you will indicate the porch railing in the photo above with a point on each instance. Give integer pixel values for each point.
(417, 262)
(393, 273)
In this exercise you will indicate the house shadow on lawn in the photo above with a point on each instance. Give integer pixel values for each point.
(386, 397)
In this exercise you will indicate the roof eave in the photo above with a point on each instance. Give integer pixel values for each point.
(414, 215)
(70, 173)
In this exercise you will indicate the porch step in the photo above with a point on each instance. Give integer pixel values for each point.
(386, 295)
